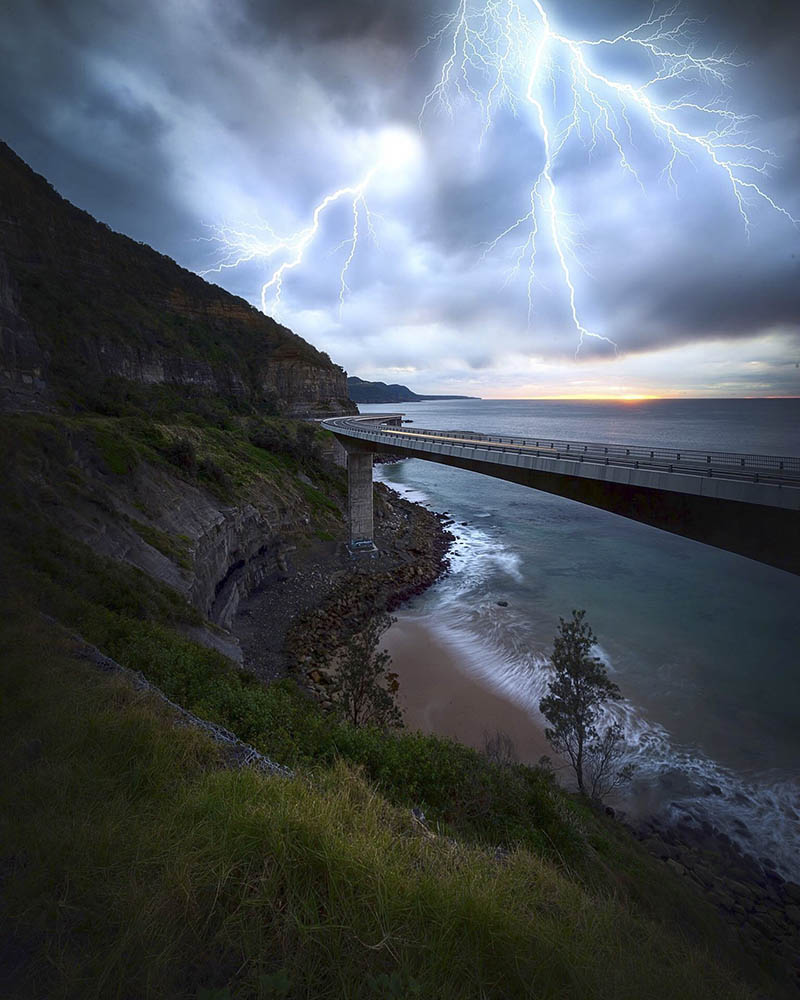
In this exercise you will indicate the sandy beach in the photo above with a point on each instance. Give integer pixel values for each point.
(439, 694)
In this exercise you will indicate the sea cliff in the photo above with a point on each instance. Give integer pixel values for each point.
(81, 305)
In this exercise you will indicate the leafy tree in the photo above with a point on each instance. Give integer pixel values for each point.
(364, 688)
(579, 688)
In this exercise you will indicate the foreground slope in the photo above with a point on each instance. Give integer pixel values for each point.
(135, 864)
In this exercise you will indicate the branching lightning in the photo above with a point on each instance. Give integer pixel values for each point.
(241, 245)
(507, 54)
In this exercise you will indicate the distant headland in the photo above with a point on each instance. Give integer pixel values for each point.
(361, 391)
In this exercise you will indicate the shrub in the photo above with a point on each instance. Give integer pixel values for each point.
(215, 474)
(365, 689)
(181, 452)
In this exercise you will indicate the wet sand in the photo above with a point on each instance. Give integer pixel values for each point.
(439, 694)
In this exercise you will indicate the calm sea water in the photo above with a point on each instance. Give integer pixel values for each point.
(703, 644)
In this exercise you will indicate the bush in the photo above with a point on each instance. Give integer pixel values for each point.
(364, 689)
(181, 453)
(215, 474)
(296, 439)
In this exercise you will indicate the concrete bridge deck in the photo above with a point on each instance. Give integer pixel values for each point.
(749, 504)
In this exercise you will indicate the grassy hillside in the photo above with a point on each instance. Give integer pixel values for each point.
(135, 865)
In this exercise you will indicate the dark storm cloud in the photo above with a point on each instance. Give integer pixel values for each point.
(162, 116)
(395, 22)
(98, 143)
(727, 303)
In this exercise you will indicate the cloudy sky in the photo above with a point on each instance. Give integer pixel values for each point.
(170, 118)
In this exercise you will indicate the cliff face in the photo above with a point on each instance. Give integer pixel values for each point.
(80, 303)
(22, 360)
(223, 551)
(213, 529)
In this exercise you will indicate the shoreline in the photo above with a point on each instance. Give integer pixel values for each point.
(295, 622)
(439, 694)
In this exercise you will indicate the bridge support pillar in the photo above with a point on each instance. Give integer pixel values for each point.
(359, 500)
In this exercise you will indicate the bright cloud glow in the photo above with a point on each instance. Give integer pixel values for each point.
(508, 55)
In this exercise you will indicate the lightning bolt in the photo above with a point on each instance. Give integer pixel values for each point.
(239, 246)
(508, 55)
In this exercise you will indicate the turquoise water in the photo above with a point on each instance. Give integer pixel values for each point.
(703, 643)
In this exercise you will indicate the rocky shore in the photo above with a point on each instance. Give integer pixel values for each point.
(324, 594)
(763, 908)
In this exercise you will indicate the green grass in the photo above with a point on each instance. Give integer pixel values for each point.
(464, 795)
(136, 867)
(174, 547)
(120, 457)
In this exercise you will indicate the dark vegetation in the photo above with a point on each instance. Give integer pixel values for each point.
(364, 688)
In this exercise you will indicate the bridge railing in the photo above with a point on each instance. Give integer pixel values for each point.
(774, 468)
(771, 463)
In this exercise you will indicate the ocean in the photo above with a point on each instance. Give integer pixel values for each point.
(704, 644)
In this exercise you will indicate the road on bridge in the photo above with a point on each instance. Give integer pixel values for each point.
(744, 503)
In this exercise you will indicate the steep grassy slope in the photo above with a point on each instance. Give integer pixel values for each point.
(134, 866)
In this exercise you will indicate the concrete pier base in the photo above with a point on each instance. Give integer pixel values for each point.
(362, 550)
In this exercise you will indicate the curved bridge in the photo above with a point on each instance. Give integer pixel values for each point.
(748, 504)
